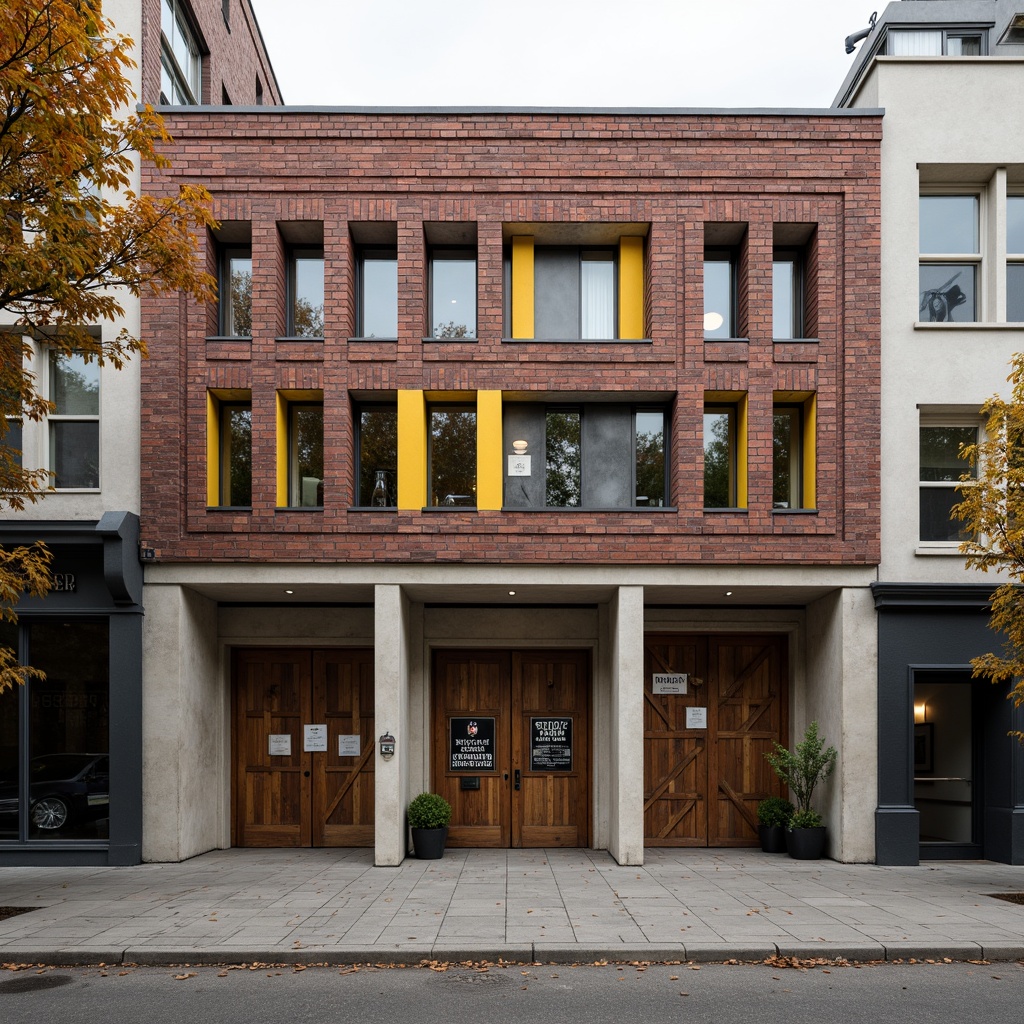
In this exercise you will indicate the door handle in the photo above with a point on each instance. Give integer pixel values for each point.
(305, 775)
(518, 779)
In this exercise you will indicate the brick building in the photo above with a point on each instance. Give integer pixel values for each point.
(544, 443)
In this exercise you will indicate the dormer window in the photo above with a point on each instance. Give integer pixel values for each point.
(935, 42)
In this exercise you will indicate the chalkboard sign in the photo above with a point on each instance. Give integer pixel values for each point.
(471, 745)
(550, 744)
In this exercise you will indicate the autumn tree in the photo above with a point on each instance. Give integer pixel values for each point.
(75, 239)
(992, 511)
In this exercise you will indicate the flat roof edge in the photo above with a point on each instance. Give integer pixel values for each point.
(560, 111)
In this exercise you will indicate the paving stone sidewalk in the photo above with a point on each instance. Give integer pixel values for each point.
(315, 906)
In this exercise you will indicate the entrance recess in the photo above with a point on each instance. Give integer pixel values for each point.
(713, 706)
(511, 746)
(302, 741)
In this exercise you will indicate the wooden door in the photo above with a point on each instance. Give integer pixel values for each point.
(704, 769)
(526, 716)
(283, 794)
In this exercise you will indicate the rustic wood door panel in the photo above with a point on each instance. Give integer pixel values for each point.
(302, 798)
(702, 785)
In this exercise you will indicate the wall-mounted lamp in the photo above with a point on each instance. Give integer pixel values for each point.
(920, 713)
(519, 447)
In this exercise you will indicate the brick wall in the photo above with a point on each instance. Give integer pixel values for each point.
(670, 172)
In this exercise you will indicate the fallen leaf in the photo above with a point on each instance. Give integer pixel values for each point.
(183, 977)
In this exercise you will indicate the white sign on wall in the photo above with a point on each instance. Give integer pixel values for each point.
(670, 682)
(279, 744)
(348, 746)
(519, 465)
(314, 737)
(696, 718)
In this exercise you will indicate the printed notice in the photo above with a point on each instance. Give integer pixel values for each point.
(550, 744)
(519, 465)
(670, 682)
(314, 737)
(348, 746)
(280, 744)
(471, 745)
(696, 718)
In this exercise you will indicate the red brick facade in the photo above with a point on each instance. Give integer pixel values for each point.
(671, 172)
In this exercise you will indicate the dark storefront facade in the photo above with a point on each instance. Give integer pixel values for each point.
(70, 745)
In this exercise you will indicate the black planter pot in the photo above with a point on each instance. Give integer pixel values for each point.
(805, 843)
(428, 843)
(773, 838)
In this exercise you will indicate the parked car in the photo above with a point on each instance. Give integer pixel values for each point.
(64, 789)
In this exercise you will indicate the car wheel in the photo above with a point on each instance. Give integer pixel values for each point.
(50, 813)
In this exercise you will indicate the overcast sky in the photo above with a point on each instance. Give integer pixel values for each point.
(570, 53)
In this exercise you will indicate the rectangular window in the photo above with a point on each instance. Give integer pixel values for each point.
(378, 293)
(934, 42)
(377, 428)
(719, 294)
(229, 449)
(940, 470)
(236, 292)
(306, 293)
(305, 454)
(787, 294)
(452, 293)
(950, 247)
(563, 458)
(451, 455)
(181, 65)
(1015, 259)
(11, 438)
(719, 456)
(597, 295)
(649, 458)
(74, 424)
(787, 456)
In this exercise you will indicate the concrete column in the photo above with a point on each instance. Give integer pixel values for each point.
(391, 704)
(626, 818)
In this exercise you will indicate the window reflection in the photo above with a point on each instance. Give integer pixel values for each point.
(452, 456)
(563, 455)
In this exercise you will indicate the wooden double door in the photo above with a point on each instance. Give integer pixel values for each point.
(511, 746)
(704, 766)
(303, 743)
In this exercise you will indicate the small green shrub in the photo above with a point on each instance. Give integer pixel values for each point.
(806, 819)
(774, 812)
(429, 810)
(804, 767)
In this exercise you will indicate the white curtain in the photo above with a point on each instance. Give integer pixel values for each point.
(915, 43)
(597, 281)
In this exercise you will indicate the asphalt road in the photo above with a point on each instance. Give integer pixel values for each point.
(630, 994)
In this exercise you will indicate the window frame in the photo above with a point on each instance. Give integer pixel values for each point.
(557, 410)
(219, 406)
(947, 33)
(310, 253)
(965, 421)
(390, 483)
(225, 312)
(452, 254)
(187, 83)
(605, 255)
(660, 500)
(795, 257)
(729, 256)
(373, 254)
(1014, 259)
(57, 419)
(953, 260)
(734, 404)
(451, 407)
(294, 495)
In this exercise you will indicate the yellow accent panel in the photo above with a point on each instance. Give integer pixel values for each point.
(282, 450)
(212, 450)
(810, 451)
(489, 475)
(412, 450)
(522, 287)
(741, 452)
(631, 287)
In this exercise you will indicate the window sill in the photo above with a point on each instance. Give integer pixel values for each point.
(925, 325)
(942, 550)
(794, 511)
(589, 509)
(712, 341)
(229, 508)
(299, 508)
(373, 508)
(576, 341)
(229, 337)
(371, 338)
(447, 510)
(77, 490)
(467, 340)
(299, 337)
(727, 511)
(795, 341)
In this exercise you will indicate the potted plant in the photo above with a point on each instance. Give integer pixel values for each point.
(801, 770)
(773, 814)
(429, 815)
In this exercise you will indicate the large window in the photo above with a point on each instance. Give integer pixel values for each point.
(74, 424)
(1015, 259)
(305, 454)
(934, 42)
(181, 65)
(229, 451)
(563, 458)
(236, 292)
(452, 455)
(649, 458)
(377, 429)
(720, 456)
(719, 294)
(575, 293)
(950, 248)
(378, 293)
(940, 470)
(452, 292)
(787, 294)
(306, 293)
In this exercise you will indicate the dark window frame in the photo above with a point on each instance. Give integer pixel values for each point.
(294, 480)
(452, 253)
(795, 256)
(731, 256)
(225, 311)
(389, 484)
(224, 484)
(294, 254)
(373, 253)
(451, 407)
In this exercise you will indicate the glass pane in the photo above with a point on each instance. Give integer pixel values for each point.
(75, 453)
(308, 456)
(935, 507)
(454, 298)
(236, 467)
(784, 299)
(74, 385)
(963, 46)
(563, 459)
(9, 816)
(1015, 292)
(69, 731)
(308, 297)
(915, 43)
(718, 299)
(1015, 225)
(597, 297)
(12, 439)
(650, 458)
(378, 457)
(947, 292)
(786, 460)
(452, 457)
(239, 311)
(939, 452)
(380, 298)
(718, 459)
(949, 224)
